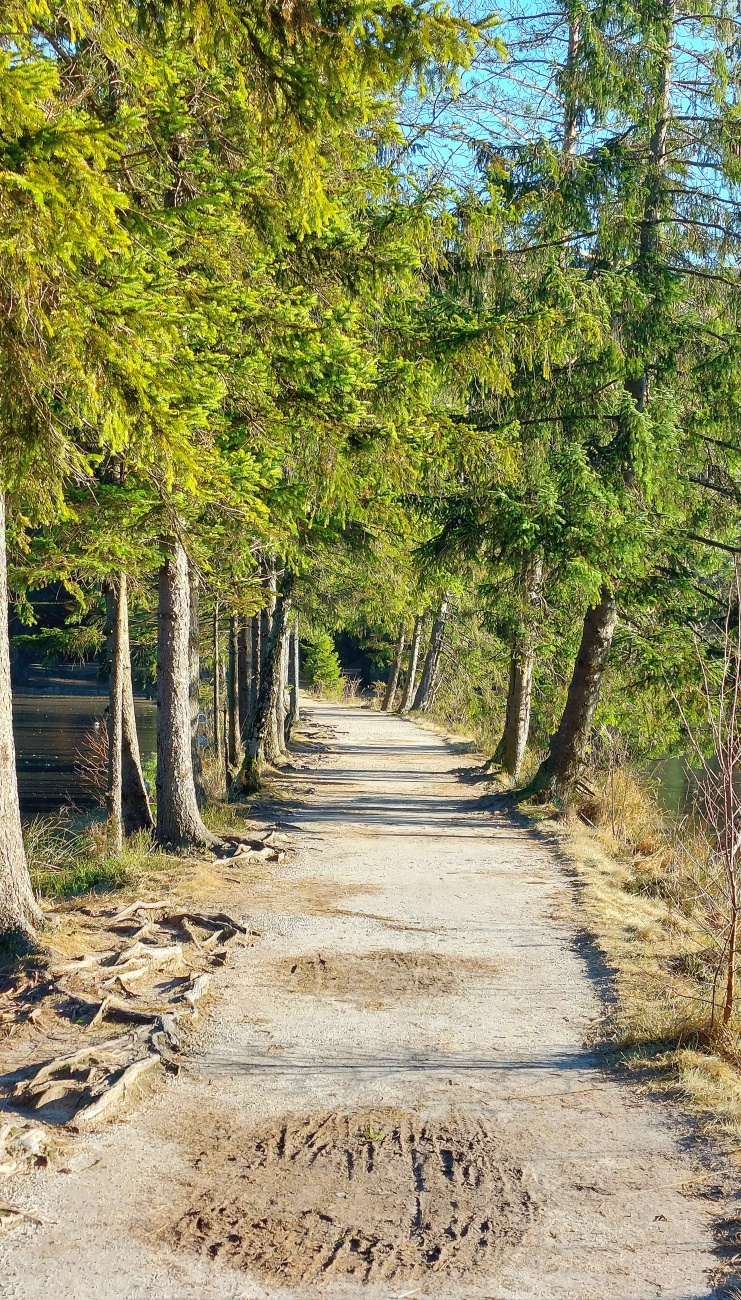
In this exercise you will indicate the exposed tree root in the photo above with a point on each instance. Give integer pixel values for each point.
(116, 1092)
(196, 991)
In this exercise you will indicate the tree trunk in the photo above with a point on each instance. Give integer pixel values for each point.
(510, 751)
(293, 662)
(258, 750)
(569, 116)
(731, 970)
(194, 679)
(256, 662)
(559, 772)
(406, 699)
(115, 717)
(218, 739)
(135, 811)
(281, 712)
(390, 694)
(423, 697)
(179, 822)
(244, 673)
(272, 746)
(232, 735)
(19, 914)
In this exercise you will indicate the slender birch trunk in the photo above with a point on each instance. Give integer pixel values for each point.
(423, 697)
(19, 914)
(408, 695)
(179, 822)
(559, 772)
(258, 751)
(390, 693)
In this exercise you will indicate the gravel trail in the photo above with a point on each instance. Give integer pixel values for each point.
(393, 1098)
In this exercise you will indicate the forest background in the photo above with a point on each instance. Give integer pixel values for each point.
(388, 324)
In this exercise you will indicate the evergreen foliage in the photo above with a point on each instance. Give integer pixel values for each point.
(325, 296)
(322, 662)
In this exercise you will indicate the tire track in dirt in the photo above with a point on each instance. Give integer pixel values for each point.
(379, 1194)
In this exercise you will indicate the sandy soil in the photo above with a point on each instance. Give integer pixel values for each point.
(393, 1095)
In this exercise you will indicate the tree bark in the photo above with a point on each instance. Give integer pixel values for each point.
(258, 748)
(569, 116)
(135, 807)
(406, 699)
(559, 772)
(510, 751)
(423, 697)
(390, 693)
(19, 914)
(232, 736)
(127, 799)
(194, 680)
(281, 712)
(273, 747)
(244, 673)
(218, 739)
(256, 661)
(650, 228)
(179, 823)
(115, 717)
(293, 659)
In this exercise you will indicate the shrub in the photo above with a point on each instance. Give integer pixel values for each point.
(322, 663)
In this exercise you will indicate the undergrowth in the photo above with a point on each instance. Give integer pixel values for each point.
(70, 855)
(654, 910)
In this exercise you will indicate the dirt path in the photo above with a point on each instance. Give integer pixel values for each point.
(393, 1090)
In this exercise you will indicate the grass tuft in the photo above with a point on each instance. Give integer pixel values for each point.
(69, 855)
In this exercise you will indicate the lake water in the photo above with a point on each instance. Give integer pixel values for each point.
(675, 784)
(51, 732)
(54, 720)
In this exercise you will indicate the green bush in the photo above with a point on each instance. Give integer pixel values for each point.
(322, 662)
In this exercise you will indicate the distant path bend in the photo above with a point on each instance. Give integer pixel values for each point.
(416, 997)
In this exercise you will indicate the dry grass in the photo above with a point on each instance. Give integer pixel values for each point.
(647, 889)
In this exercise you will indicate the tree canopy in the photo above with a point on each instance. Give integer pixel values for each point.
(379, 317)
